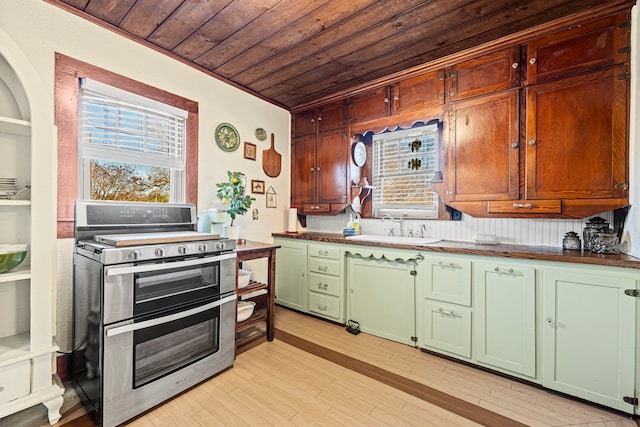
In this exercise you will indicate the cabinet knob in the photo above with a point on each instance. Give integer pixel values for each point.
(319, 119)
(515, 65)
(318, 168)
(532, 61)
(312, 169)
(514, 145)
(550, 322)
(386, 100)
(396, 97)
(532, 142)
(313, 120)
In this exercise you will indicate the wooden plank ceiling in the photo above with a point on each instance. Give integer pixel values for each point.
(295, 52)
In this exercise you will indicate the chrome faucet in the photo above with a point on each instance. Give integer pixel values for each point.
(400, 220)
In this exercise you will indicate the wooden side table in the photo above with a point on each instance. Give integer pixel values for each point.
(261, 323)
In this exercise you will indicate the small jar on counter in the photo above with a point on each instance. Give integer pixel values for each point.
(606, 241)
(571, 241)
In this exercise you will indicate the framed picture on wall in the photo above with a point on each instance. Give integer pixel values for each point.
(250, 151)
(271, 198)
(257, 186)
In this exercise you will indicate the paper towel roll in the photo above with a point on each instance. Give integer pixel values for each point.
(292, 220)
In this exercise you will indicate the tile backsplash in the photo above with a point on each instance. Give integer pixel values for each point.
(539, 232)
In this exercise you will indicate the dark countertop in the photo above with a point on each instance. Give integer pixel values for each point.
(539, 253)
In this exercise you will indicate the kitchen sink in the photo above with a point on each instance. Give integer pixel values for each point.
(398, 240)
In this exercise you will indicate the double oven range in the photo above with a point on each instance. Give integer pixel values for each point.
(154, 308)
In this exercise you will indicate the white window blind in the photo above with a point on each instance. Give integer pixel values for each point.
(121, 127)
(404, 164)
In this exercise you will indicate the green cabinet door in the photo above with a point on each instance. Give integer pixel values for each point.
(589, 335)
(505, 316)
(291, 274)
(381, 297)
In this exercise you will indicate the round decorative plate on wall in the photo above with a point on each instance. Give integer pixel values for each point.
(227, 137)
(261, 134)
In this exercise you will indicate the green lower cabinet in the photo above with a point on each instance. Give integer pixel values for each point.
(326, 281)
(443, 305)
(589, 335)
(445, 327)
(291, 274)
(505, 317)
(381, 298)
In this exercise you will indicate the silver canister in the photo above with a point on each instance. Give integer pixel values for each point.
(593, 227)
(571, 241)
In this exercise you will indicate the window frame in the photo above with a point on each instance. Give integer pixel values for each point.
(68, 71)
(416, 211)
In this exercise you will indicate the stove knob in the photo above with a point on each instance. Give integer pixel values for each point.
(134, 254)
(202, 247)
(220, 246)
(160, 252)
(182, 250)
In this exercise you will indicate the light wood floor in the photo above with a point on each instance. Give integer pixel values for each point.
(278, 384)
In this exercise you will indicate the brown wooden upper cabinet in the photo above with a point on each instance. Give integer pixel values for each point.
(483, 149)
(574, 147)
(581, 48)
(320, 160)
(370, 105)
(418, 93)
(576, 137)
(486, 74)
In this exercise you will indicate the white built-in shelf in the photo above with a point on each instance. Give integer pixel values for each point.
(14, 348)
(18, 273)
(4, 202)
(15, 126)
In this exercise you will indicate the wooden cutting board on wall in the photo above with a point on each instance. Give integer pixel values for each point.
(271, 160)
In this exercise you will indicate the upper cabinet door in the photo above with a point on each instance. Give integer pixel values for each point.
(576, 137)
(582, 48)
(331, 167)
(419, 92)
(332, 116)
(303, 172)
(304, 123)
(483, 149)
(370, 105)
(485, 74)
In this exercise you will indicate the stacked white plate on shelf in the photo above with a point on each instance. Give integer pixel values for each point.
(7, 188)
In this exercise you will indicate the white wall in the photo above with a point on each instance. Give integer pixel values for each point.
(41, 29)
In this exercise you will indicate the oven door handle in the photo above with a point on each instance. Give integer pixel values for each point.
(115, 271)
(170, 318)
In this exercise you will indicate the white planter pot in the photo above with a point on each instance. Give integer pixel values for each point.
(232, 231)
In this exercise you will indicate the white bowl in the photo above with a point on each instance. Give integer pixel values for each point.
(244, 277)
(245, 310)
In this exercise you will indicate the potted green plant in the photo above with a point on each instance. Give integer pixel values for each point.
(232, 194)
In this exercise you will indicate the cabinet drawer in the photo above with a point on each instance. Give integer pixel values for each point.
(314, 208)
(447, 328)
(324, 266)
(449, 280)
(324, 284)
(14, 381)
(324, 252)
(525, 206)
(324, 305)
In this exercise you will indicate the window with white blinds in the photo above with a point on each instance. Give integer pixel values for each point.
(130, 147)
(404, 165)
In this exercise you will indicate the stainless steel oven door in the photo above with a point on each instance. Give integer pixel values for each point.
(150, 360)
(138, 289)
